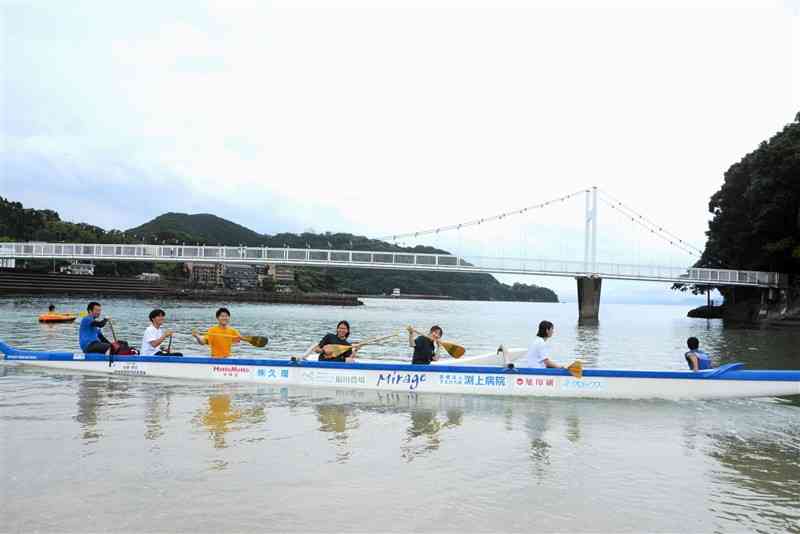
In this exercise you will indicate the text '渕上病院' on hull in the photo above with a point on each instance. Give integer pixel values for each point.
(728, 381)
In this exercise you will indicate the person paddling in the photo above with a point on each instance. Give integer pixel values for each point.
(221, 337)
(540, 349)
(695, 357)
(425, 346)
(339, 338)
(90, 337)
(154, 336)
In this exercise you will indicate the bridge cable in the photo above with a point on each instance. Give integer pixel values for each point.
(618, 204)
(475, 222)
(654, 229)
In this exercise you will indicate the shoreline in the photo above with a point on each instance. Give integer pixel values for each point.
(27, 284)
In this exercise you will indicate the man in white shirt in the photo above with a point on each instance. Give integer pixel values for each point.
(540, 349)
(154, 336)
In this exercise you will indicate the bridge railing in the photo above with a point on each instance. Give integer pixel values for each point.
(379, 259)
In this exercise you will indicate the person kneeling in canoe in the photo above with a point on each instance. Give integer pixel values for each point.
(696, 358)
(425, 346)
(90, 337)
(540, 349)
(221, 337)
(154, 336)
(327, 347)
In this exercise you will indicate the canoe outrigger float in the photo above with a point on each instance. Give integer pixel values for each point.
(728, 381)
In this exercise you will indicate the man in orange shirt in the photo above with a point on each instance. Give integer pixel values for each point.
(221, 337)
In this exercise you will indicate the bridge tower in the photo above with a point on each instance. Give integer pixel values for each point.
(590, 283)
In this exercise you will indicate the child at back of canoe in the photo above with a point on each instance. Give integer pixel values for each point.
(695, 357)
(221, 337)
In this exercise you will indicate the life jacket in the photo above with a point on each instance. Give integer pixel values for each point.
(703, 359)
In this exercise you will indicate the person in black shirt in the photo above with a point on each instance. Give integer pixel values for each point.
(340, 338)
(425, 346)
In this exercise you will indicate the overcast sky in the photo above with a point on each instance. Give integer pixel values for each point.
(382, 117)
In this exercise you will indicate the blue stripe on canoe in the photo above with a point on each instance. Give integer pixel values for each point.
(725, 372)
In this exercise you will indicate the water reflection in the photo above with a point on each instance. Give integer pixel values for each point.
(340, 420)
(90, 397)
(760, 482)
(536, 426)
(157, 407)
(587, 343)
(424, 431)
(218, 418)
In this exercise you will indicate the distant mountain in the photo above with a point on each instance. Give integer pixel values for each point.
(200, 228)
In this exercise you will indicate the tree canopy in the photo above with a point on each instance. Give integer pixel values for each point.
(756, 223)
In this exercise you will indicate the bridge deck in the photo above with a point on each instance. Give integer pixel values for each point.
(387, 260)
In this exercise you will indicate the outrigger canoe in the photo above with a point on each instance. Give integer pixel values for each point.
(728, 381)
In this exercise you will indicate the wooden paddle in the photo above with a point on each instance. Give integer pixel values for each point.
(256, 341)
(576, 369)
(338, 350)
(453, 349)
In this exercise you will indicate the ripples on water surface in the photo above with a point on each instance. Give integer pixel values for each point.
(83, 452)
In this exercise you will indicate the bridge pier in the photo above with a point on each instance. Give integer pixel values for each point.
(589, 298)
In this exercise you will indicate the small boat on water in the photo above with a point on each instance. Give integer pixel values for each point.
(52, 317)
(728, 381)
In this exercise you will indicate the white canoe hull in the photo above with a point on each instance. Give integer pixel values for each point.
(726, 382)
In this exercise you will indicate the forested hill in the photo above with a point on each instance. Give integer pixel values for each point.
(20, 224)
(756, 222)
(201, 228)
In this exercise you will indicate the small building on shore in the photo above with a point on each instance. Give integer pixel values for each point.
(236, 276)
(282, 277)
(85, 269)
(206, 274)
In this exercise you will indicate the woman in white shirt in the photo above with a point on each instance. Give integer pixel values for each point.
(153, 336)
(539, 351)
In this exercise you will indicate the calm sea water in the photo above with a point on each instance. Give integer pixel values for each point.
(82, 452)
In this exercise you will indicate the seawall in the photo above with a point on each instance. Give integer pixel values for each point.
(25, 283)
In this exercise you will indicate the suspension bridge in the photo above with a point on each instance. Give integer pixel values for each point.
(588, 272)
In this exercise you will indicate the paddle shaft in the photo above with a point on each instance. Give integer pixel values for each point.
(339, 349)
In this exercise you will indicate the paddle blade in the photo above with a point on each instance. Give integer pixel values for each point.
(256, 341)
(576, 369)
(456, 351)
(336, 350)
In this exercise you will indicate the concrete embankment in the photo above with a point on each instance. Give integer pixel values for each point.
(27, 283)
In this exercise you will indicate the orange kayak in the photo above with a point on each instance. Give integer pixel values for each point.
(57, 317)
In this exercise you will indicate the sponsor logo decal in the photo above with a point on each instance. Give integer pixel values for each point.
(583, 384)
(461, 379)
(230, 370)
(127, 369)
(393, 378)
(272, 373)
(79, 356)
(540, 382)
(336, 379)
(318, 377)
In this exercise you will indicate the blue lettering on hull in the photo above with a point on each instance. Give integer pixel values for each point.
(412, 379)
